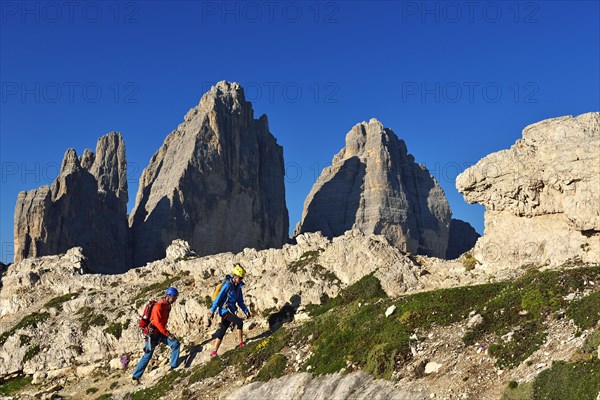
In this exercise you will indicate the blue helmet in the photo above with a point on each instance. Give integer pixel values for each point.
(172, 292)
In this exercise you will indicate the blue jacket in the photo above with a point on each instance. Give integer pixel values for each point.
(230, 296)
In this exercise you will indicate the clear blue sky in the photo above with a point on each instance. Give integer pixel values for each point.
(455, 80)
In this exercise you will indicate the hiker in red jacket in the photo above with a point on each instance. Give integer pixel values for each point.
(158, 333)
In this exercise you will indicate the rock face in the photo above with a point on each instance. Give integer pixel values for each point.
(85, 206)
(303, 386)
(217, 182)
(462, 238)
(542, 196)
(375, 186)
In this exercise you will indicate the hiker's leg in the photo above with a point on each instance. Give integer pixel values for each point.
(174, 345)
(148, 351)
(239, 324)
(220, 333)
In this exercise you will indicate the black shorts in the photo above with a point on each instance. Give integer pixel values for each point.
(226, 322)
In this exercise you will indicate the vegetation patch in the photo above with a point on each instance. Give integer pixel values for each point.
(105, 396)
(161, 388)
(158, 287)
(115, 329)
(469, 262)
(585, 312)
(320, 272)
(353, 327)
(57, 302)
(273, 368)
(305, 260)
(523, 391)
(89, 318)
(15, 385)
(568, 381)
(367, 287)
(514, 319)
(208, 370)
(31, 352)
(33, 319)
(91, 390)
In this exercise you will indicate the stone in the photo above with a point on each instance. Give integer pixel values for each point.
(432, 367)
(475, 320)
(461, 238)
(39, 377)
(542, 196)
(217, 182)
(390, 310)
(179, 249)
(86, 206)
(375, 186)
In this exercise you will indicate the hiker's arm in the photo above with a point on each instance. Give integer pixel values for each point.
(241, 303)
(158, 322)
(222, 292)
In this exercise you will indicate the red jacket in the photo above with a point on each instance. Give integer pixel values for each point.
(160, 315)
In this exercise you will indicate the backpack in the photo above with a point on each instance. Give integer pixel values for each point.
(218, 289)
(144, 323)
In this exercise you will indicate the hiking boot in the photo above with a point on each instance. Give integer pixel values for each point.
(213, 354)
(135, 381)
(242, 344)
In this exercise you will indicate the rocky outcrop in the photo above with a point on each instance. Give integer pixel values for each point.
(85, 206)
(462, 238)
(216, 182)
(542, 196)
(305, 272)
(375, 186)
(304, 386)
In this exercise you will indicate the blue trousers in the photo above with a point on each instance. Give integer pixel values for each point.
(150, 345)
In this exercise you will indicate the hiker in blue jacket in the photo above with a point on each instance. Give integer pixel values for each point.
(229, 297)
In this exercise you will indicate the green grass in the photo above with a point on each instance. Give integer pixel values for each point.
(255, 356)
(155, 288)
(208, 370)
(305, 260)
(161, 388)
(523, 305)
(523, 391)
(353, 328)
(57, 302)
(591, 343)
(89, 318)
(15, 385)
(33, 319)
(273, 368)
(105, 396)
(585, 312)
(31, 352)
(115, 329)
(568, 381)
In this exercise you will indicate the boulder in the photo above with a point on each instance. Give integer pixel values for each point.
(542, 196)
(217, 182)
(376, 187)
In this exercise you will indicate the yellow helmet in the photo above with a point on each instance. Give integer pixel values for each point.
(239, 270)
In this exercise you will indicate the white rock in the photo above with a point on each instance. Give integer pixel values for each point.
(474, 321)
(39, 377)
(390, 310)
(432, 367)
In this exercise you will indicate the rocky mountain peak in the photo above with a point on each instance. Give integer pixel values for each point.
(216, 182)
(85, 206)
(374, 186)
